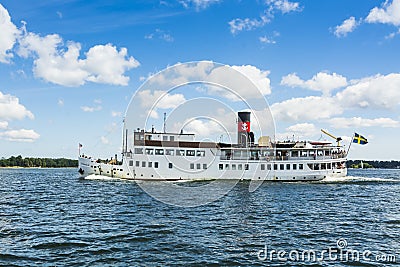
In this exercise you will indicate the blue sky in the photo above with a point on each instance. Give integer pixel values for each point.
(68, 69)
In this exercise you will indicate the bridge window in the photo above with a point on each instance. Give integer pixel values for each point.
(150, 164)
(329, 166)
(294, 166)
(149, 151)
(295, 154)
(170, 165)
(192, 166)
(159, 152)
(246, 167)
(200, 153)
(262, 167)
(137, 163)
(226, 166)
(131, 163)
(233, 167)
(172, 138)
(275, 167)
(190, 153)
(269, 167)
(239, 167)
(155, 164)
(198, 166)
(282, 167)
(300, 166)
(143, 164)
(138, 150)
(204, 166)
(287, 166)
(221, 166)
(165, 138)
(180, 152)
(169, 152)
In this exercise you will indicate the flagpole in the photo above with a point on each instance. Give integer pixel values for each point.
(352, 139)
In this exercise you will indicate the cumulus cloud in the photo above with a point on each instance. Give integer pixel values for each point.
(63, 63)
(303, 129)
(388, 13)
(103, 63)
(9, 35)
(257, 76)
(21, 135)
(347, 26)
(357, 122)
(306, 109)
(160, 99)
(226, 81)
(3, 125)
(11, 109)
(381, 91)
(322, 81)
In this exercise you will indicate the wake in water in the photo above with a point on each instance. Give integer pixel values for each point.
(358, 179)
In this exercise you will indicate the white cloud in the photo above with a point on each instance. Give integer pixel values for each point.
(21, 135)
(3, 125)
(160, 99)
(284, 6)
(266, 40)
(161, 35)
(306, 108)
(347, 26)
(238, 25)
(53, 63)
(9, 35)
(91, 109)
(203, 128)
(303, 129)
(104, 140)
(116, 113)
(357, 122)
(198, 4)
(322, 81)
(377, 92)
(221, 80)
(389, 13)
(257, 76)
(11, 109)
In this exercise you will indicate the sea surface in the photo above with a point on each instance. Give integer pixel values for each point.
(50, 217)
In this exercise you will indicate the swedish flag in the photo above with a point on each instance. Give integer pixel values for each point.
(359, 139)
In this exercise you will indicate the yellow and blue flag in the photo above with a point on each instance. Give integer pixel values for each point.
(359, 139)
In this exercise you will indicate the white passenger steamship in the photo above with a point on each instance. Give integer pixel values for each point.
(155, 155)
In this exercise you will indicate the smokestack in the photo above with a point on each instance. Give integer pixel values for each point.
(243, 128)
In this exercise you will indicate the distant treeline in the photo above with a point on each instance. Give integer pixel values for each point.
(38, 162)
(394, 164)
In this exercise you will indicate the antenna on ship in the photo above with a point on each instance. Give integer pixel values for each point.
(165, 119)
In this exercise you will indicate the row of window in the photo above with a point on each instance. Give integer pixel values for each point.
(198, 166)
(239, 167)
(149, 164)
(170, 152)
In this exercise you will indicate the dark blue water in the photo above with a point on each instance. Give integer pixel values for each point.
(49, 217)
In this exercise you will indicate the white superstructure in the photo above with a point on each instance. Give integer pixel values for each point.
(154, 155)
